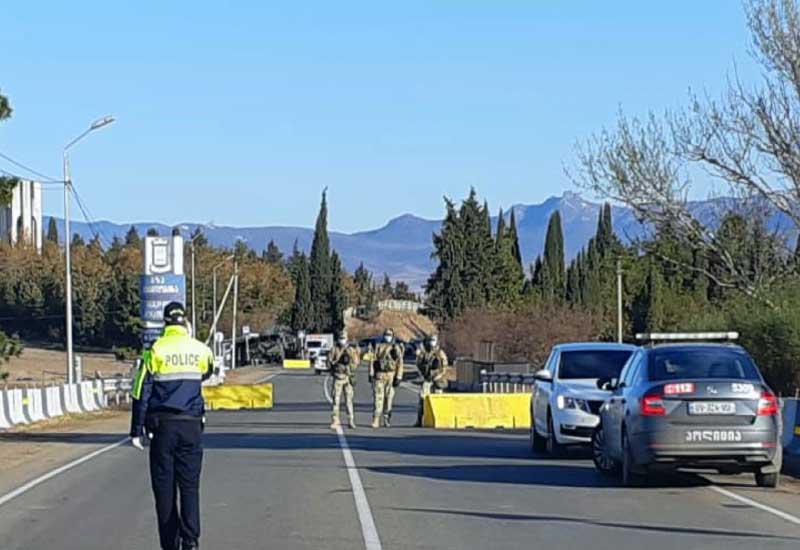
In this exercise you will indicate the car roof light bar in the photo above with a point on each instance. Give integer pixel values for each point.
(686, 336)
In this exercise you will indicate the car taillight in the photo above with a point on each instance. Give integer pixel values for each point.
(768, 404)
(652, 405)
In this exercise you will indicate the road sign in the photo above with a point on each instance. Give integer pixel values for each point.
(156, 291)
(246, 330)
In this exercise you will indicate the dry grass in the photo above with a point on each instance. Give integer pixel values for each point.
(406, 325)
(38, 364)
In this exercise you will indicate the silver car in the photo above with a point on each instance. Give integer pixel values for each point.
(565, 399)
(698, 405)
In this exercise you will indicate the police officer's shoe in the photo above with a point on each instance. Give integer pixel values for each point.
(387, 420)
(186, 545)
(335, 424)
(352, 424)
(376, 423)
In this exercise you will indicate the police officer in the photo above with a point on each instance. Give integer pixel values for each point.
(168, 408)
(385, 373)
(431, 362)
(344, 362)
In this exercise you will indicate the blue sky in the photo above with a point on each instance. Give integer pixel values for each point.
(242, 112)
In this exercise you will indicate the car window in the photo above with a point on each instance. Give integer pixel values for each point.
(667, 364)
(592, 364)
(552, 362)
(632, 370)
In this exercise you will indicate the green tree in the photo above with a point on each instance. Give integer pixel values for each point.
(655, 298)
(302, 311)
(553, 258)
(52, 231)
(320, 270)
(132, 238)
(272, 254)
(7, 184)
(386, 288)
(445, 290)
(508, 275)
(338, 299)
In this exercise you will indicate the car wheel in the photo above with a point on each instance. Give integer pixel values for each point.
(630, 477)
(552, 446)
(537, 442)
(771, 481)
(600, 455)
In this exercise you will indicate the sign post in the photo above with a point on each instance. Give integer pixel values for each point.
(162, 282)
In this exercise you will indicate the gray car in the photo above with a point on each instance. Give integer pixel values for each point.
(695, 405)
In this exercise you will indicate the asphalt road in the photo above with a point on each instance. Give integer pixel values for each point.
(279, 479)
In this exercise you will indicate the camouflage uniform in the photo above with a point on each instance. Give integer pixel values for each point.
(344, 363)
(386, 371)
(432, 365)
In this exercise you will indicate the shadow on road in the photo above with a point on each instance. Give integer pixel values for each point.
(537, 518)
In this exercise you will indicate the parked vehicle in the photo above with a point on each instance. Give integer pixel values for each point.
(317, 350)
(565, 398)
(692, 404)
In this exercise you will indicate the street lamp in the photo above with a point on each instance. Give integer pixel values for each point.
(96, 125)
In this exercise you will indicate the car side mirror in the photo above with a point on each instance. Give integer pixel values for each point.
(543, 375)
(607, 384)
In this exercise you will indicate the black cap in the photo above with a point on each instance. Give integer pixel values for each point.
(174, 314)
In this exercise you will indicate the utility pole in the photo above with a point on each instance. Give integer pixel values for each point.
(235, 306)
(194, 295)
(214, 290)
(619, 300)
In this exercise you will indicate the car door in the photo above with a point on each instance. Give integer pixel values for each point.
(617, 404)
(541, 397)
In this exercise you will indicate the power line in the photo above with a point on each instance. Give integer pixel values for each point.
(29, 169)
(86, 216)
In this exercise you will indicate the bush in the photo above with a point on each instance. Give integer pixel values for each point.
(526, 334)
(125, 354)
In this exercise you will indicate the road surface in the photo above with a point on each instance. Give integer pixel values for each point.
(279, 479)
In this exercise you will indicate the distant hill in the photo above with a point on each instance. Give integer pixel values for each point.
(402, 248)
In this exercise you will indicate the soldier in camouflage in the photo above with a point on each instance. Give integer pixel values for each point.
(432, 365)
(385, 373)
(344, 360)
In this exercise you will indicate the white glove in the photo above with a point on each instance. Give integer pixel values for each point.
(137, 443)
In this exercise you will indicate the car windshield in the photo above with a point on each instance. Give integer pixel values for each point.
(701, 363)
(592, 364)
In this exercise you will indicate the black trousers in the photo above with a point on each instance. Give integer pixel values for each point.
(176, 458)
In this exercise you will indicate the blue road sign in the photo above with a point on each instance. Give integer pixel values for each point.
(156, 291)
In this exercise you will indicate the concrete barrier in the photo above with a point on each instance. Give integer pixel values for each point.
(52, 402)
(235, 397)
(86, 397)
(296, 364)
(32, 403)
(16, 410)
(477, 410)
(99, 394)
(5, 423)
(69, 398)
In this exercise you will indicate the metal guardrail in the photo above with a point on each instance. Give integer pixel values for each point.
(505, 382)
(118, 389)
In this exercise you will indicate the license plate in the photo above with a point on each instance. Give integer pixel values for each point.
(712, 408)
(713, 436)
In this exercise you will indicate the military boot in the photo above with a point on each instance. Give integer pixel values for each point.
(376, 423)
(387, 420)
(335, 424)
(352, 423)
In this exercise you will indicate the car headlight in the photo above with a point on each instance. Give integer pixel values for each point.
(564, 402)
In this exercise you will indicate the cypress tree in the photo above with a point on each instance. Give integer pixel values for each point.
(655, 298)
(301, 315)
(338, 299)
(508, 276)
(52, 231)
(514, 236)
(272, 254)
(554, 255)
(320, 270)
(387, 288)
(132, 238)
(445, 288)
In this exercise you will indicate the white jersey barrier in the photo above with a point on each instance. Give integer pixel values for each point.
(32, 404)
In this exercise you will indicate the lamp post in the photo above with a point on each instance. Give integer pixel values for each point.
(96, 125)
(214, 282)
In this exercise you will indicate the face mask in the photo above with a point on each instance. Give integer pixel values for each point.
(343, 343)
(387, 339)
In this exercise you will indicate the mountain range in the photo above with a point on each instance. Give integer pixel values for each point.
(402, 248)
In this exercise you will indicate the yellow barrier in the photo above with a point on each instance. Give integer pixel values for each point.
(296, 364)
(797, 430)
(477, 410)
(235, 397)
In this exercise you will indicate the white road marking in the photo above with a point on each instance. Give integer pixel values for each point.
(769, 509)
(58, 471)
(368, 530)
